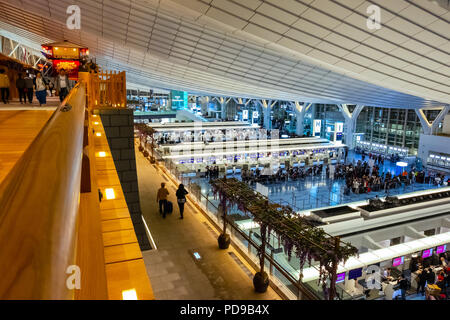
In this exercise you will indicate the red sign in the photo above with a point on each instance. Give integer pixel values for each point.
(70, 66)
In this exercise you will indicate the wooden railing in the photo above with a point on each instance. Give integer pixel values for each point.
(55, 231)
(39, 203)
(108, 90)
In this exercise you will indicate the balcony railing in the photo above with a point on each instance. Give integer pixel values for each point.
(39, 202)
(50, 212)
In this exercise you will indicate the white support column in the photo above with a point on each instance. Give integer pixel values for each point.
(204, 101)
(426, 126)
(266, 109)
(300, 111)
(223, 106)
(439, 118)
(350, 122)
(11, 54)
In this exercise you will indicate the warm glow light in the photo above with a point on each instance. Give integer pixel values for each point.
(110, 194)
(95, 116)
(96, 123)
(102, 154)
(74, 49)
(129, 294)
(98, 134)
(56, 48)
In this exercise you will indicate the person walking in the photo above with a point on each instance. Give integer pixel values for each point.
(161, 198)
(41, 89)
(4, 86)
(51, 86)
(20, 85)
(62, 85)
(29, 87)
(181, 199)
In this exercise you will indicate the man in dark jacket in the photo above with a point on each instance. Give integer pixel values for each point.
(20, 85)
(403, 286)
(431, 276)
(29, 87)
(422, 282)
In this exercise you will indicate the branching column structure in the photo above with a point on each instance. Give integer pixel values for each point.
(430, 128)
(244, 102)
(223, 106)
(350, 122)
(300, 111)
(204, 101)
(266, 106)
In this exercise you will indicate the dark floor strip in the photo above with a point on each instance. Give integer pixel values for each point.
(241, 265)
(210, 229)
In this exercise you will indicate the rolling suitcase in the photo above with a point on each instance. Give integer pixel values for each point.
(169, 207)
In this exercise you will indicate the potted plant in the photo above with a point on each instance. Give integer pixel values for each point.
(261, 278)
(224, 238)
(296, 233)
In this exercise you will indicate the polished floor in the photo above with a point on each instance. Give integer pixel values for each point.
(320, 191)
(19, 125)
(175, 273)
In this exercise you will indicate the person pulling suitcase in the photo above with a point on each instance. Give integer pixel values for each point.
(161, 199)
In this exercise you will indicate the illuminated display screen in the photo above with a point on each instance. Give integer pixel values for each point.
(340, 277)
(354, 274)
(441, 249)
(427, 253)
(398, 261)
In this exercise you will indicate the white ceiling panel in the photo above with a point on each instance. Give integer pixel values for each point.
(303, 50)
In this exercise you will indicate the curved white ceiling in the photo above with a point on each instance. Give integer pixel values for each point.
(304, 50)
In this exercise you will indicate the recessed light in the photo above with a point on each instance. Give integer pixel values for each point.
(110, 194)
(129, 294)
(102, 154)
(197, 255)
(98, 134)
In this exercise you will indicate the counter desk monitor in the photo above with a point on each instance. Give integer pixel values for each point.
(441, 249)
(398, 261)
(355, 274)
(340, 277)
(427, 253)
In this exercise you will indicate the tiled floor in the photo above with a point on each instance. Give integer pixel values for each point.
(174, 272)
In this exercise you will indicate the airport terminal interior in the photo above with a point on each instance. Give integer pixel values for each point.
(225, 150)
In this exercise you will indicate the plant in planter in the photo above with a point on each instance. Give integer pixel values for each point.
(224, 239)
(145, 133)
(296, 233)
(261, 278)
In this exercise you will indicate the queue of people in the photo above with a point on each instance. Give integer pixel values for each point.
(433, 274)
(29, 83)
(212, 172)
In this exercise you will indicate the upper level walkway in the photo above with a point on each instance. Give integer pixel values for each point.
(65, 224)
(19, 125)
